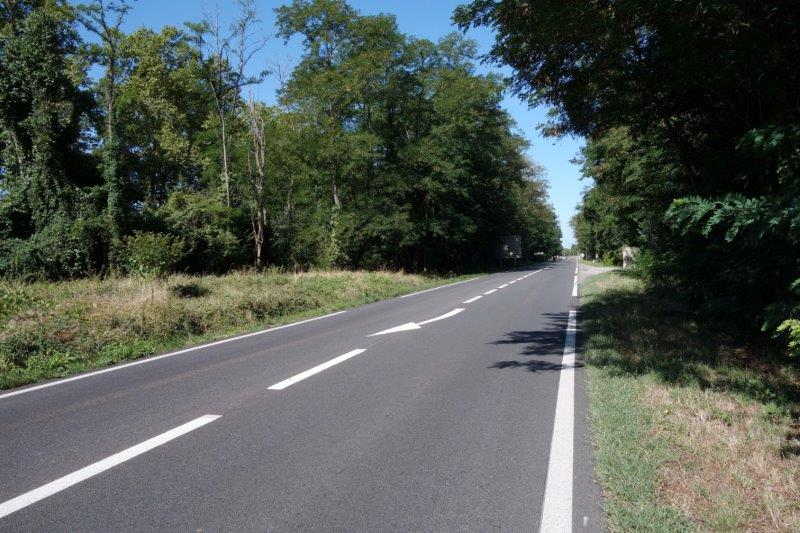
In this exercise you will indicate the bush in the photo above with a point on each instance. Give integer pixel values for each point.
(612, 258)
(64, 249)
(152, 254)
(215, 236)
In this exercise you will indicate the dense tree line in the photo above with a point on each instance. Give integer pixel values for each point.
(146, 151)
(692, 116)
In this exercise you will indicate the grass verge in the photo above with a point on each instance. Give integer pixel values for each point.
(50, 330)
(596, 262)
(693, 429)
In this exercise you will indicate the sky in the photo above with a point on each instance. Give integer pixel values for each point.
(429, 19)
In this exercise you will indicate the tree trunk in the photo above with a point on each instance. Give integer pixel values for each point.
(335, 190)
(226, 180)
(111, 178)
(259, 221)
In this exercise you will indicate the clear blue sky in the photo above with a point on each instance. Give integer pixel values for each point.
(423, 18)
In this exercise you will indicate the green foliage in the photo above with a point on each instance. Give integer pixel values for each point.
(63, 249)
(210, 232)
(189, 290)
(418, 125)
(40, 110)
(700, 167)
(152, 254)
(791, 328)
(136, 151)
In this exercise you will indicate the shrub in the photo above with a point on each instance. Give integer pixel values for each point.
(152, 254)
(213, 234)
(64, 249)
(611, 258)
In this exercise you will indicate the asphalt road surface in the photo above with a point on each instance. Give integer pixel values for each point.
(433, 411)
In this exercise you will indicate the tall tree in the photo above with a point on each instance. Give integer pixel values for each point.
(40, 109)
(228, 55)
(722, 194)
(104, 18)
(162, 109)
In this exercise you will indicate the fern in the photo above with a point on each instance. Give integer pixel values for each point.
(732, 217)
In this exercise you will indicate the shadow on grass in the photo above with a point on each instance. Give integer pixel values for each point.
(634, 331)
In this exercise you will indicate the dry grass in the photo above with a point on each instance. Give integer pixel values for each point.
(731, 472)
(721, 435)
(54, 329)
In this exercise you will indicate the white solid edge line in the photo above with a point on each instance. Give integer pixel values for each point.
(157, 357)
(441, 287)
(503, 286)
(316, 370)
(487, 293)
(45, 491)
(475, 299)
(454, 312)
(557, 505)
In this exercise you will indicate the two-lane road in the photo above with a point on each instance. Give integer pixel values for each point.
(434, 411)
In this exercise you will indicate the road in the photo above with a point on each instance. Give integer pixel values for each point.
(443, 422)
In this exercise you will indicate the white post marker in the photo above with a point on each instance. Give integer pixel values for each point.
(557, 506)
(45, 491)
(575, 286)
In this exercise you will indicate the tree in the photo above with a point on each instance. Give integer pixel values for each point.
(228, 55)
(40, 111)
(346, 57)
(104, 18)
(43, 162)
(162, 111)
(259, 173)
(699, 164)
(385, 150)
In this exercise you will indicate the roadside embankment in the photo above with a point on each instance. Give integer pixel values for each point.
(50, 330)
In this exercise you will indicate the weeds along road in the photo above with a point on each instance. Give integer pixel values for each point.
(430, 411)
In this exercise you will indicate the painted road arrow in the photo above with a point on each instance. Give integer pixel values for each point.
(408, 326)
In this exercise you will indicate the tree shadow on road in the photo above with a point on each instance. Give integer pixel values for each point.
(546, 342)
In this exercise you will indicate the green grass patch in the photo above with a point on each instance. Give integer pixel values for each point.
(606, 262)
(50, 330)
(694, 428)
